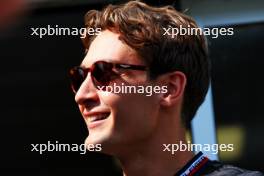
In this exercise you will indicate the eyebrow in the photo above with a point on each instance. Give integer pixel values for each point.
(103, 59)
(123, 65)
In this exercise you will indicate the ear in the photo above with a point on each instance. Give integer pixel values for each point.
(175, 82)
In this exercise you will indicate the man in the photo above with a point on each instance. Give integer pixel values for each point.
(135, 48)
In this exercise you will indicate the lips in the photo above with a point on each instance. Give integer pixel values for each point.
(94, 119)
(97, 117)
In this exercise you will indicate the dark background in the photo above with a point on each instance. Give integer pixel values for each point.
(37, 104)
(238, 84)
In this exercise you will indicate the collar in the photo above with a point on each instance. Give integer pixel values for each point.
(194, 166)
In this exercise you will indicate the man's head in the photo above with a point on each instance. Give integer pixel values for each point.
(133, 34)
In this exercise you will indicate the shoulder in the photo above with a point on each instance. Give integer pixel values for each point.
(234, 171)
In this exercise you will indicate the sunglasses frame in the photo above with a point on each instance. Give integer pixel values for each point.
(78, 74)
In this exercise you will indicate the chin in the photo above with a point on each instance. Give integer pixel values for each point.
(108, 141)
(97, 137)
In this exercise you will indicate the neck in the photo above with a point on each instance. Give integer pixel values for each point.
(150, 158)
(153, 166)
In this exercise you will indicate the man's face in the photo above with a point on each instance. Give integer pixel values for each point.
(128, 119)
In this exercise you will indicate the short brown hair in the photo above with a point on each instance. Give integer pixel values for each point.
(142, 28)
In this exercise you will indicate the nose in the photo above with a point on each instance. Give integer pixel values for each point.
(87, 93)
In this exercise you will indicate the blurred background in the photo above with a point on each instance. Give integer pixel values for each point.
(37, 104)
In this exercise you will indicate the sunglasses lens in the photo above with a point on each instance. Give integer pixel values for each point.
(102, 73)
(77, 76)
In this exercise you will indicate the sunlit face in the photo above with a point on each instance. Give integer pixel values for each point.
(124, 119)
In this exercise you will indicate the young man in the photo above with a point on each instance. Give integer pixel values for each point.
(135, 48)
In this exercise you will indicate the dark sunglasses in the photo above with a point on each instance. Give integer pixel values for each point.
(102, 73)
